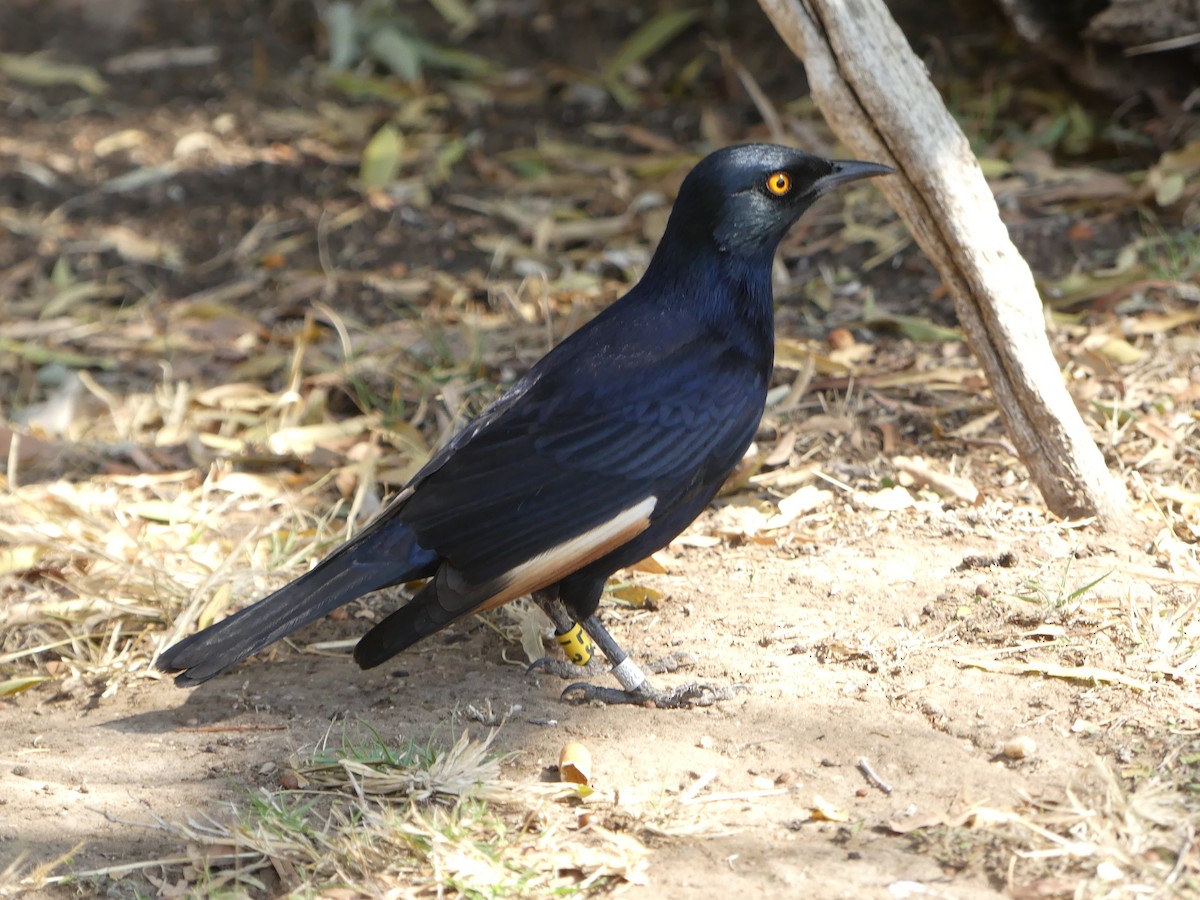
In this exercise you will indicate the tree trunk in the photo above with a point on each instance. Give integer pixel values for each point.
(879, 100)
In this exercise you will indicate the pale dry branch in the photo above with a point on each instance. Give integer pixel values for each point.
(878, 98)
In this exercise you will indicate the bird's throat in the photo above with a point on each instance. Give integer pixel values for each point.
(729, 293)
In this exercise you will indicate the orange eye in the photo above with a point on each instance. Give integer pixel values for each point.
(779, 183)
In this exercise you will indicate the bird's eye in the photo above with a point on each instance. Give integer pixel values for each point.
(779, 183)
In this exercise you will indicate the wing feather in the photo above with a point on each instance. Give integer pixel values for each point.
(570, 457)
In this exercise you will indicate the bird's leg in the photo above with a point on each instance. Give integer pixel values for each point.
(635, 688)
(571, 636)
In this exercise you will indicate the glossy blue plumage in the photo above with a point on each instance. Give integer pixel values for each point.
(657, 397)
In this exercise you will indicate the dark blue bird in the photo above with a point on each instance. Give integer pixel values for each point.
(606, 450)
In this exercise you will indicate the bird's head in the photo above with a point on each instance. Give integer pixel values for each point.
(744, 198)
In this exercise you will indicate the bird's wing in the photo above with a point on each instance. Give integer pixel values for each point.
(585, 450)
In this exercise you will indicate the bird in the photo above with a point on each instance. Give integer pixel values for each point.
(601, 454)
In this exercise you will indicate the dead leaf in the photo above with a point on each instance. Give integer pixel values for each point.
(216, 606)
(1156, 431)
(636, 596)
(1163, 322)
(654, 34)
(303, 439)
(782, 451)
(533, 625)
(1168, 179)
(12, 686)
(650, 565)
(1050, 669)
(826, 423)
(804, 500)
(889, 499)
(40, 70)
(1120, 351)
(575, 763)
(20, 558)
(824, 811)
(381, 159)
(133, 247)
(945, 484)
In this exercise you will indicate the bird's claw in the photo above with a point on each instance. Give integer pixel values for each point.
(685, 697)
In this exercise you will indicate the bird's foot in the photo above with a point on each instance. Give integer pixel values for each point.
(567, 670)
(678, 698)
(634, 688)
(637, 690)
(683, 697)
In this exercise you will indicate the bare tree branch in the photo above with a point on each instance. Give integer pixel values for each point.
(879, 100)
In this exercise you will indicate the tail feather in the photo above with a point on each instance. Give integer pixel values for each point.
(434, 607)
(416, 619)
(375, 559)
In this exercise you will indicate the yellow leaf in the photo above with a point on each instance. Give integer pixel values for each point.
(20, 558)
(1120, 351)
(1169, 189)
(381, 158)
(650, 566)
(161, 511)
(39, 70)
(1160, 323)
(824, 811)
(575, 763)
(216, 605)
(636, 595)
(16, 685)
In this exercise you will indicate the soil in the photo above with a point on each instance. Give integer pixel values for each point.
(847, 651)
(853, 638)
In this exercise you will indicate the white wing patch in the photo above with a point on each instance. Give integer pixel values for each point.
(553, 565)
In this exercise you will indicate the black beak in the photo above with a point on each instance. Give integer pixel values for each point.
(846, 170)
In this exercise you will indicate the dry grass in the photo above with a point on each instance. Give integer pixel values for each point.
(110, 568)
(1106, 838)
(173, 457)
(367, 819)
(372, 821)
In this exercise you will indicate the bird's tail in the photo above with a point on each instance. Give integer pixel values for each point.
(429, 611)
(379, 557)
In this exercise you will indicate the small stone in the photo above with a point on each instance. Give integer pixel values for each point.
(1020, 747)
(840, 339)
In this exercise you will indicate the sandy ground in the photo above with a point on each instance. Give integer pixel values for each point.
(858, 633)
(847, 648)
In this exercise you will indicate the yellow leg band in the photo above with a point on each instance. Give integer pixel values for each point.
(577, 645)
